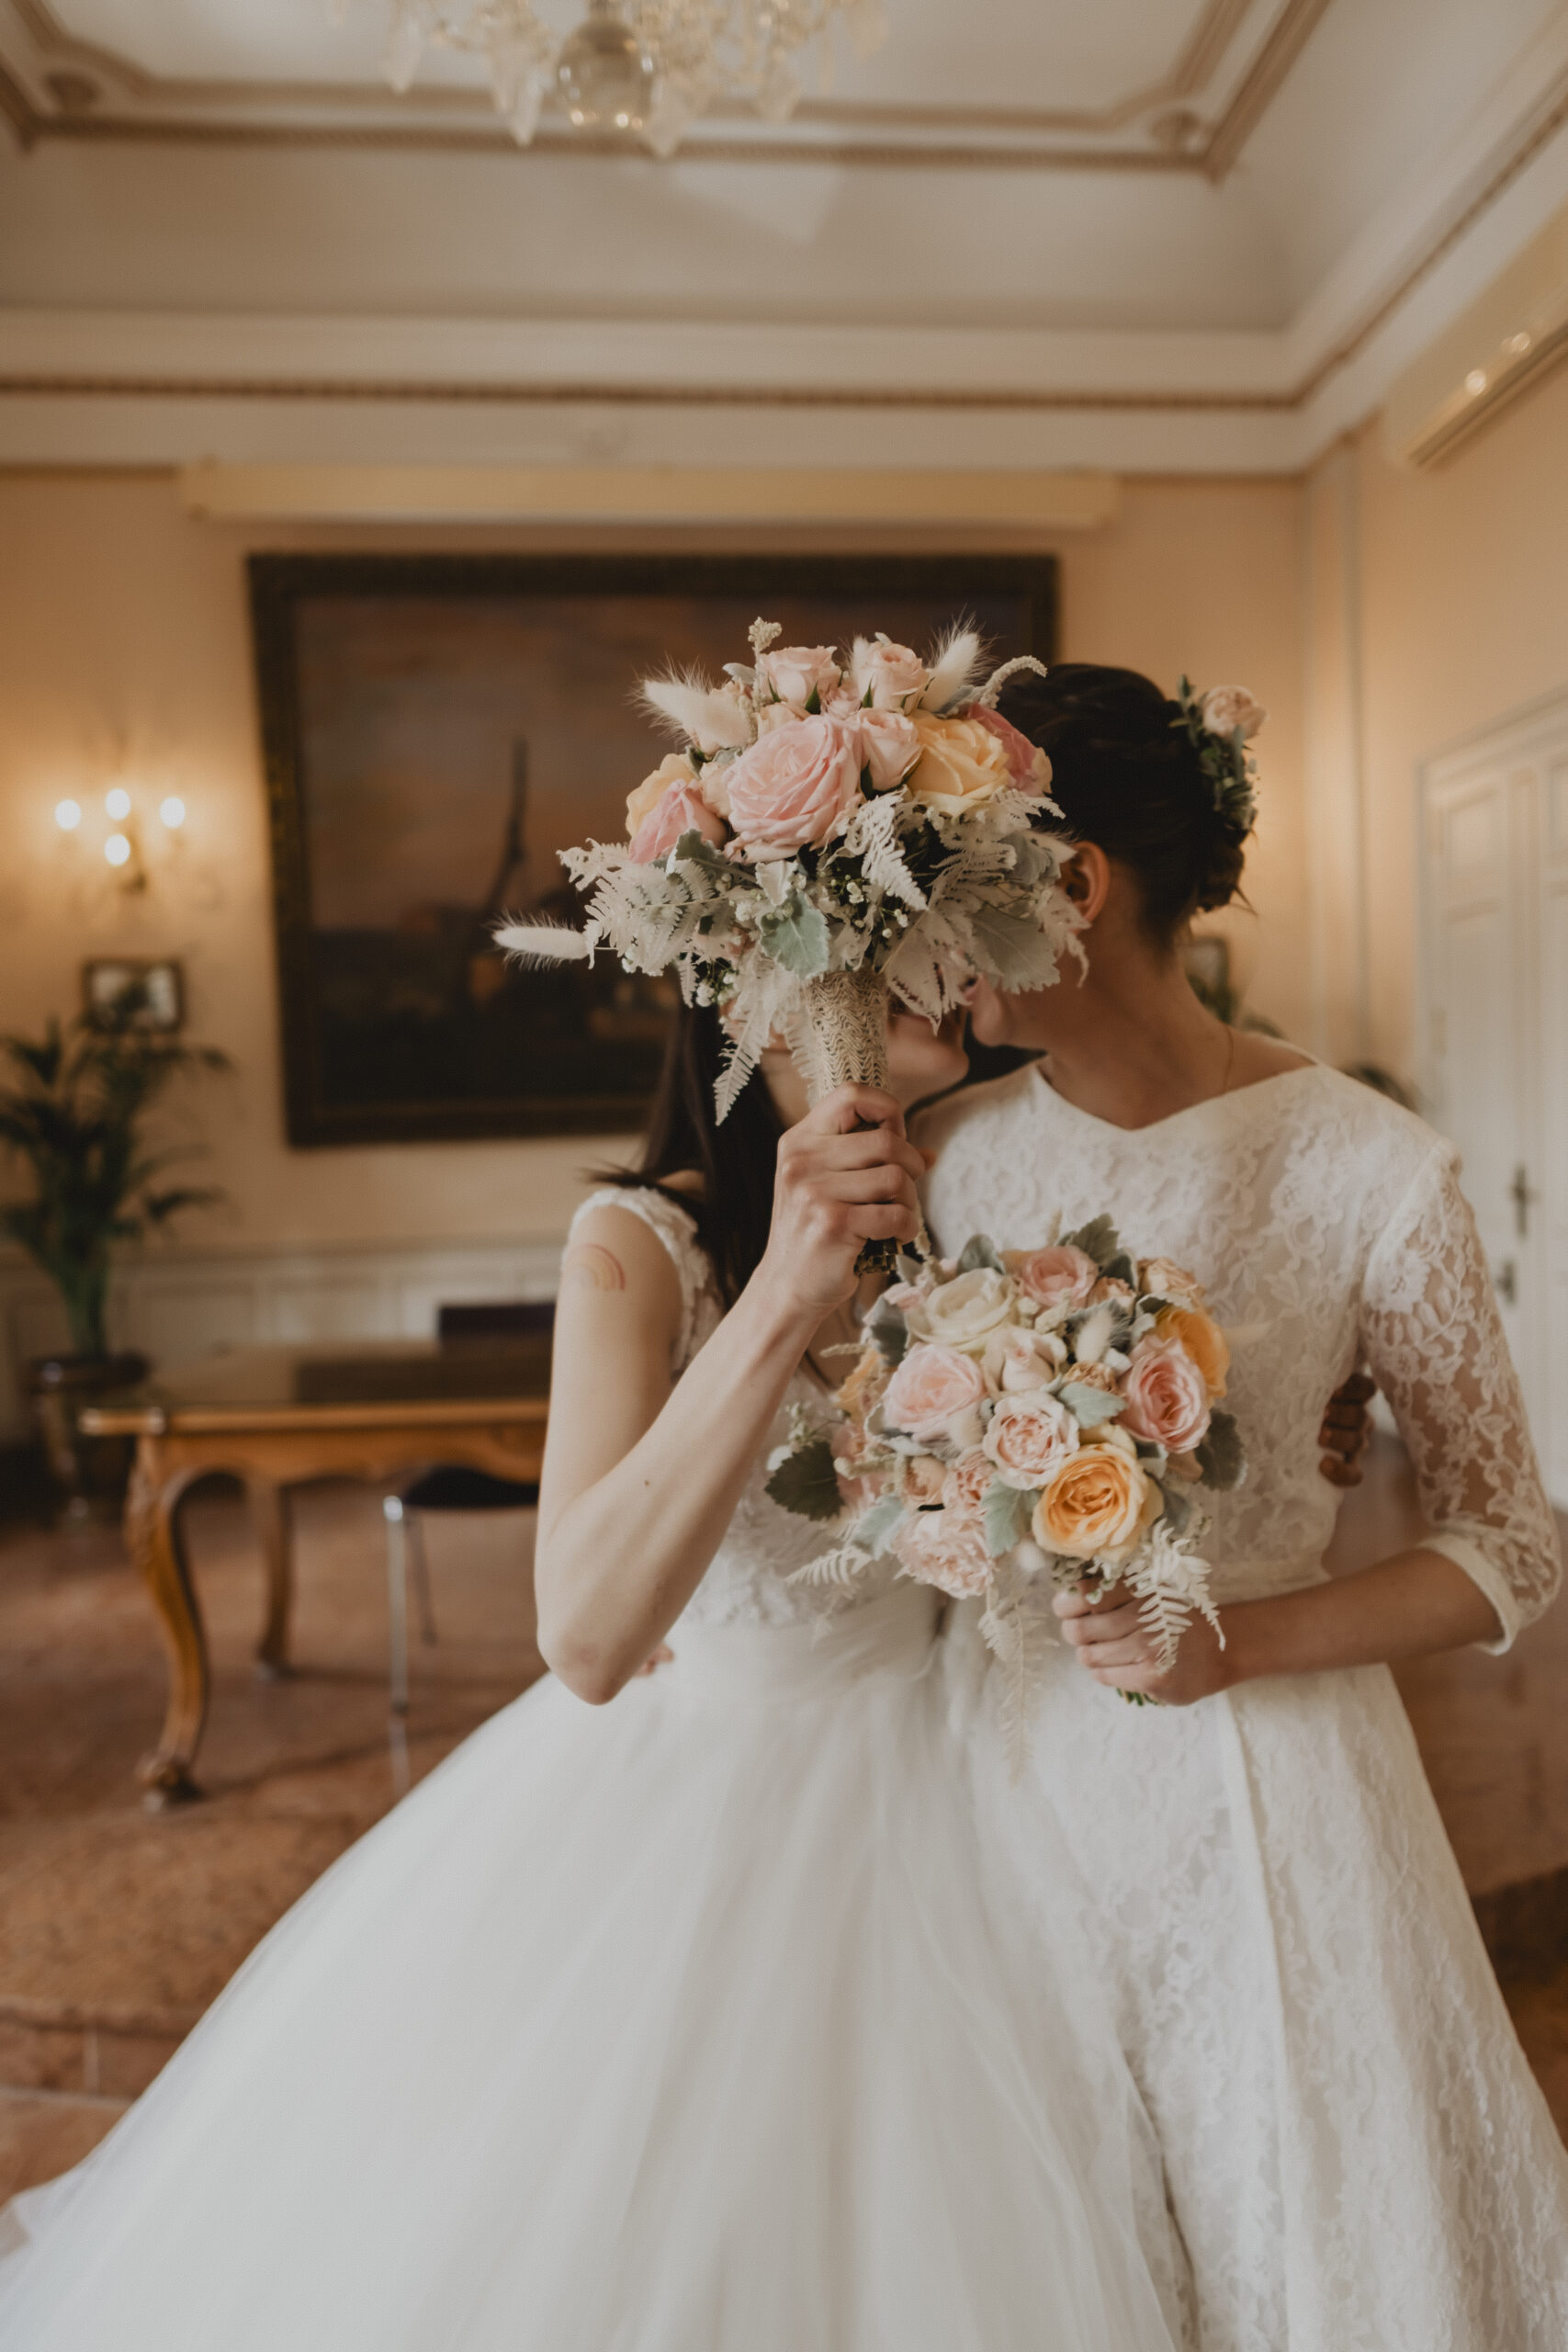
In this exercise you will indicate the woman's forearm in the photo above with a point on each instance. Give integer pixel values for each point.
(618, 1564)
(1409, 1606)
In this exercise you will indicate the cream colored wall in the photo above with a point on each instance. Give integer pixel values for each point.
(124, 643)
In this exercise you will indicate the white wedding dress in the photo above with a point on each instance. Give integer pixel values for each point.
(700, 2022)
(1357, 2155)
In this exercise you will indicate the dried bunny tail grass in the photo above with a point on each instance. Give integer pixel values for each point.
(714, 718)
(991, 690)
(533, 944)
(953, 671)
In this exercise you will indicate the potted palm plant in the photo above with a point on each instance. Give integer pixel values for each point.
(75, 1113)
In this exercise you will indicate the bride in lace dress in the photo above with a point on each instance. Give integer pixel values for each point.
(1356, 2157)
(701, 2022)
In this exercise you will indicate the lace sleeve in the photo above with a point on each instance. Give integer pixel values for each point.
(1438, 1350)
(678, 1232)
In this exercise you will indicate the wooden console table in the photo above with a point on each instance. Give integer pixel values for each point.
(277, 1418)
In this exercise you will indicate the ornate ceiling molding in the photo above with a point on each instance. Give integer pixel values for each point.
(84, 91)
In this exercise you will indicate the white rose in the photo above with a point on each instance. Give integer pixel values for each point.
(1226, 708)
(894, 677)
(965, 1311)
(889, 746)
(796, 672)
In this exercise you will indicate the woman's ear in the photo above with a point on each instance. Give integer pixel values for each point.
(1086, 877)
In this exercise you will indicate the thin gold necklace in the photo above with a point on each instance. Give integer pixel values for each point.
(1230, 1057)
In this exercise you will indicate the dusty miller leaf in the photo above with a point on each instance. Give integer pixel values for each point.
(1089, 1407)
(796, 937)
(1017, 951)
(1097, 1240)
(875, 1530)
(889, 1336)
(1220, 1457)
(807, 1483)
(1009, 1511)
(980, 1250)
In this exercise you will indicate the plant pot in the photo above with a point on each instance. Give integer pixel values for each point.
(90, 1472)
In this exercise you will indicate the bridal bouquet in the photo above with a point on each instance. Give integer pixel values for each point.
(831, 829)
(1023, 1420)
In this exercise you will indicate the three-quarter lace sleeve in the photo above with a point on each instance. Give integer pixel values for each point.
(1438, 1350)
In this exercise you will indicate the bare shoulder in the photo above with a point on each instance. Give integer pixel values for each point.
(1258, 1057)
(615, 1256)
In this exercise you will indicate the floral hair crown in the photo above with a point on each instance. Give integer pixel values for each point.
(1219, 725)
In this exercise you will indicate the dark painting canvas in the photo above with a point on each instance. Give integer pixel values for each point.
(436, 731)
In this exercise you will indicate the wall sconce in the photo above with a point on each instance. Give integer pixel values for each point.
(122, 843)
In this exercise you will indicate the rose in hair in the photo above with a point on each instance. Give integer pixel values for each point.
(675, 767)
(1030, 1437)
(1167, 1397)
(796, 785)
(945, 1548)
(1027, 764)
(681, 809)
(1230, 710)
(929, 1389)
(796, 672)
(962, 764)
(1058, 1279)
(893, 676)
(889, 747)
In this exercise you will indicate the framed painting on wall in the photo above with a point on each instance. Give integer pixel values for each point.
(435, 729)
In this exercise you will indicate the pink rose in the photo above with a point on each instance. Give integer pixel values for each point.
(675, 767)
(889, 747)
(1167, 1397)
(945, 1548)
(1029, 1438)
(893, 676)
(930, 1387)
(680, 810)
(798, 784)
(966, 1485)
(1057, 1279)
(1229, 710)
(796, 672)
(1027, 764)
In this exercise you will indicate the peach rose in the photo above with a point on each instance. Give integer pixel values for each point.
(928, 1389)
(924, 1479)
(967, 1484)
(1110, 1287)
(1057, 1280)
(894, 678)
(1095, 1504)
(680, 810)
(962, 764)
(945, 1548)
(1203, 1341)
(674, 768)
(1029, 1439)
(1027, 764)
(864, 1385)
(1227, 710)
(889, 747)
(1163, 1278)
(965, 1311)
(713, 783)
(798, 784)
(796, 672)
(1167, 1397)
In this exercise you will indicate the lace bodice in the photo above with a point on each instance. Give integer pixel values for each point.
(747, 1582)
(1326, 1224)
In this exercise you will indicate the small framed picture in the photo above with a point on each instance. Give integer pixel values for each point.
(145, 993)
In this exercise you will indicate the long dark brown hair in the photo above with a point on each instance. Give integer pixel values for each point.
(736, 1160)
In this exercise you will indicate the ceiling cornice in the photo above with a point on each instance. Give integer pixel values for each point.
(827, 132)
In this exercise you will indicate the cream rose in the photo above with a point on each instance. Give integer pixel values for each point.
(964, 1312)
(1203, 1341)
(929, 1388)
(1163, 1278)
(680, 810)
(798, 784)
(1017, 1361)
(1057, 1280)
(674, 768)
(1227, 710)
(893, 676)
(889, 746)
(1027, 764)
(796, 672)
(1167, 1397)
(962, 764)
(1029, 1439)
(1095, 1504)
(946, 1548)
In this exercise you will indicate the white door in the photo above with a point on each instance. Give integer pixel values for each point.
(1494, 893)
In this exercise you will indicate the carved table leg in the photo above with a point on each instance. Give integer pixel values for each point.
(270, 1517)
(153, 1535)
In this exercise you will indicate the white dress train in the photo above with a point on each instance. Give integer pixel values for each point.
(1357, 2155)
(700, 2022)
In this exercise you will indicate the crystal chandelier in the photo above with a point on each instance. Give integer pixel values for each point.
(642, 68)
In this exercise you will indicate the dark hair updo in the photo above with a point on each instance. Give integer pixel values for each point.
(1126, 774)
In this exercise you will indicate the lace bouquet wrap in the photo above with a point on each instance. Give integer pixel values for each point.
(1020, 1420)
(830, 832)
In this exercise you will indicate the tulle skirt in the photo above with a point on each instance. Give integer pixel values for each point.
(701, 2022)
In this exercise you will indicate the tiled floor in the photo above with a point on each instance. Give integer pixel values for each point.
(117, 1926)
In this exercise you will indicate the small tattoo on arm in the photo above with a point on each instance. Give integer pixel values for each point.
(594, 1267)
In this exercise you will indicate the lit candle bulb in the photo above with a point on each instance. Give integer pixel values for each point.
(67, 815)
(171, 810)
(117, 849)
(117, 804)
